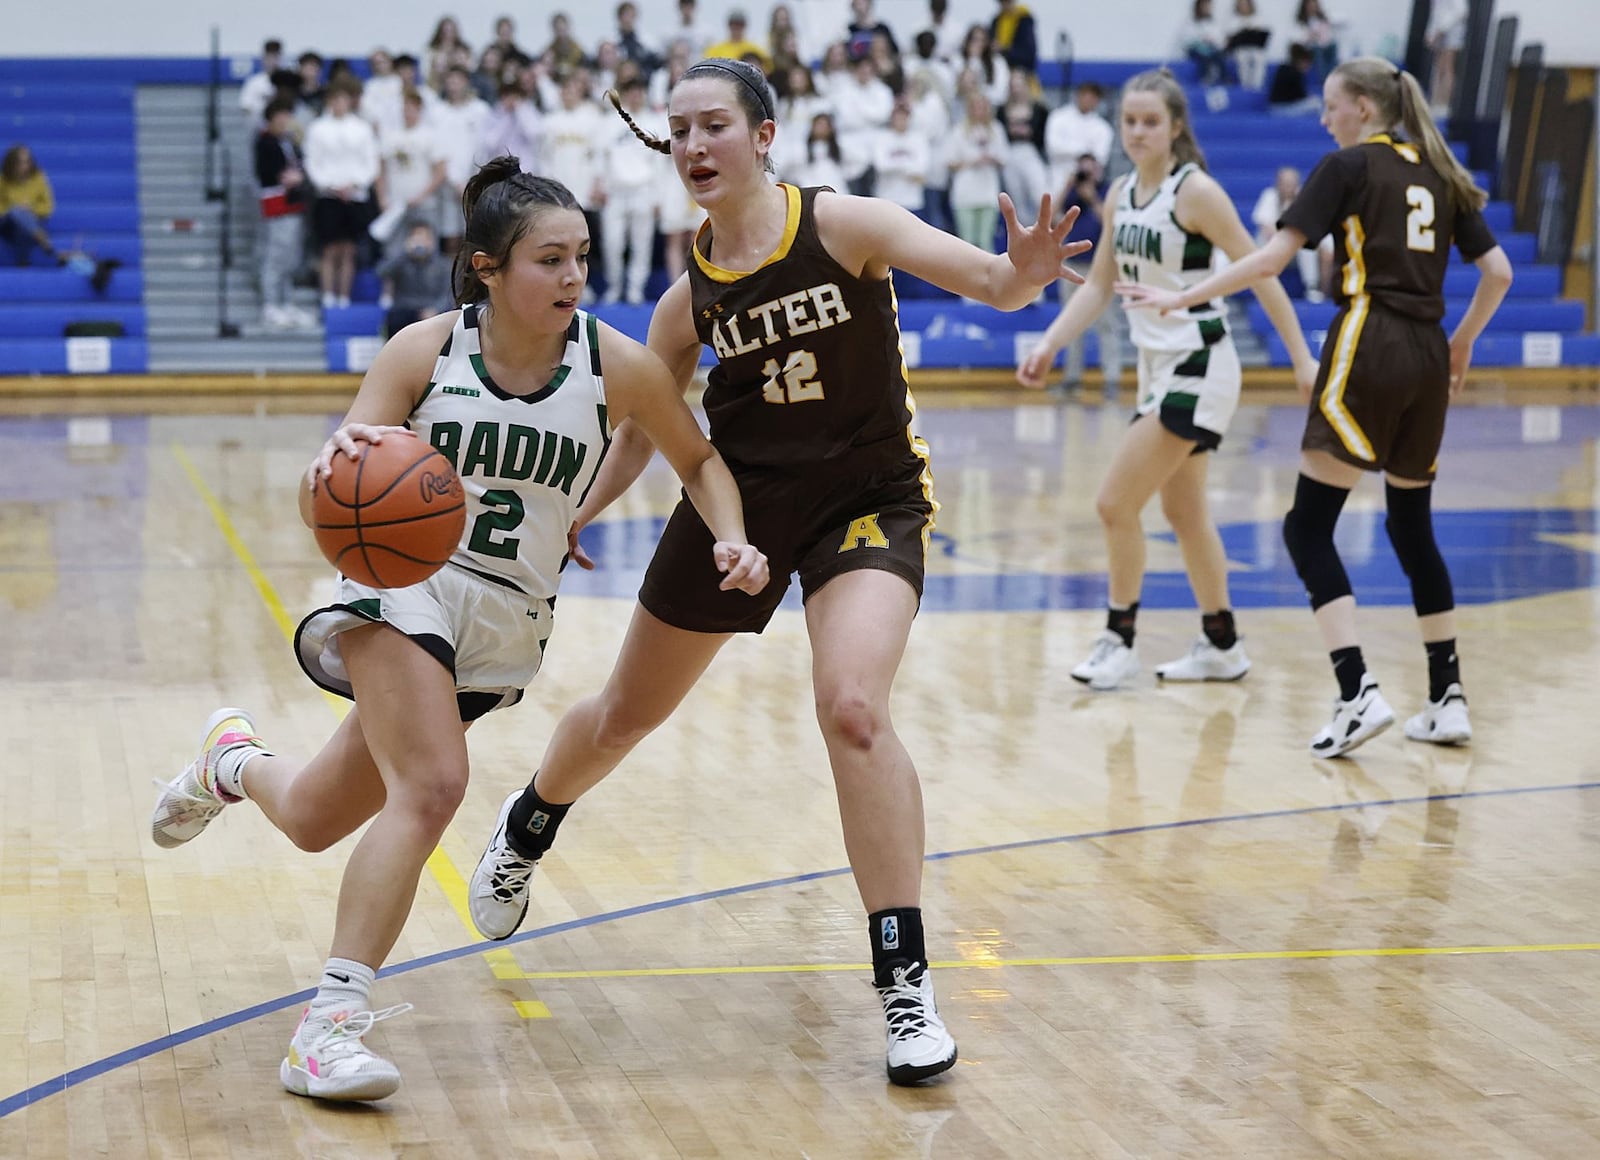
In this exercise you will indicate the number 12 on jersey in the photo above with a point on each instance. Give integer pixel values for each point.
(794, 382)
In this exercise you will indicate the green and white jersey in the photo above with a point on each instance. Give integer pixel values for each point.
(1151, 247)
(526, 461)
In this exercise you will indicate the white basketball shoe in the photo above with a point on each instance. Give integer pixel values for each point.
(1355, 721)
(191, 800)
(327, 1059)
(1443, 722)
(919, 1045)
(498, 894)
(1206, 662)
(1110, 663)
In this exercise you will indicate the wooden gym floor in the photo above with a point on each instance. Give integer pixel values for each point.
(1160, 928)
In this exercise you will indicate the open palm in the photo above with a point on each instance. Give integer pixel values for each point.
(1040, 251)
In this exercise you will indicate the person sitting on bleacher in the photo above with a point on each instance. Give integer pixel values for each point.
(1201, 39)
(1247, 44)
(26, 203)
(1291, 93)
(416, 280)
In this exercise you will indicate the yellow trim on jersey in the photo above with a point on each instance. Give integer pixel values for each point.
(1344, 348)
(1404, 148)
(919, 446)
(791, 227)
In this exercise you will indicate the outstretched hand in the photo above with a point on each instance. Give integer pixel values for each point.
(1040, 252)
(1138, 296)
(745, 565)
(348, 439)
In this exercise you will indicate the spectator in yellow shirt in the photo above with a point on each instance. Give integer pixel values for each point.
(740, 47)
(26, 203)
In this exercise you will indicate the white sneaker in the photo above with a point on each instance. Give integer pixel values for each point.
(1354, 722)
(1443, 722)
(276, 318)
(1207, 662)
(1110, 663)
(919, 1045)
(328, 1061)
(189, 801)
(498, 893)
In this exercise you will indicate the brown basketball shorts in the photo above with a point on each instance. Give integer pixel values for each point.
(819, 524)
(1382, 392)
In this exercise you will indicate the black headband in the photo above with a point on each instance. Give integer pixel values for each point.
(763, 98)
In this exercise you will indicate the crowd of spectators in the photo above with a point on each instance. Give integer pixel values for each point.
(939, 119)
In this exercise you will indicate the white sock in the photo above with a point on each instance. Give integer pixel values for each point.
(230, 769)
(344, 986)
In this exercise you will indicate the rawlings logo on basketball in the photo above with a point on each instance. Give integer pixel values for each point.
(440, 483)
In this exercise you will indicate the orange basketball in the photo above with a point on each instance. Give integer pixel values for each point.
(393, 517)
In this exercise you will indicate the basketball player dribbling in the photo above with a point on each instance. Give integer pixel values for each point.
(491, 386)
(808, 403)
(1395, 199)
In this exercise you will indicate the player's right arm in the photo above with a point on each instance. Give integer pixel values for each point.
(1085, 305)
(388, 394)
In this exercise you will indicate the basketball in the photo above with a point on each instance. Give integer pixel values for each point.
(391, 518)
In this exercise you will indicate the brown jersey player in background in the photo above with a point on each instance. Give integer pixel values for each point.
(1395, 199)
(791, 290)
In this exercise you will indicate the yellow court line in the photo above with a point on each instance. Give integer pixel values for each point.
(444, 871)
(1077, 961)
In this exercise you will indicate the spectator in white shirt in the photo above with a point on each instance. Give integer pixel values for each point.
(930, 119)
(798, 103)
(1315, 29)
(1315, 267)
(901, 160)
(925, 60)
(513, 128)
(383, 94)
(691, 31)
(861, 106)
(1248, 36)
(413, 168)
(632, 179)
(978, 55)
(341, 161)
(977, 152)
(571, 155)
(822, 162)
(259, 88)
(834, 69)
(948, 35)
(458, 119)
(661, 81)
(1201, 39)
(1073, 130)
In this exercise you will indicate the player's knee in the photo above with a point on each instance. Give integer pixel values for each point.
(1114, 509)
(851, 718)
(1410, 528)
(1308, 536)
(1185, 511)
(429, 804)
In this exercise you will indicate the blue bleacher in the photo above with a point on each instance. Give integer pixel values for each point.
(81, 128)
(1562, 315)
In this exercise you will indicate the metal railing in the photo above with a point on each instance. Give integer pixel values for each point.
(219, 186)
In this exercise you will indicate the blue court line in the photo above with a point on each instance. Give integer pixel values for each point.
(89, 1071)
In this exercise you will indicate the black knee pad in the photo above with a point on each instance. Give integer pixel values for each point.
(1308, 534)
(1410, 528)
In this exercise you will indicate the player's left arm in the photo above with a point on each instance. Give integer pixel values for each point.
(1204, 207)
(639, 387)
(869, 236)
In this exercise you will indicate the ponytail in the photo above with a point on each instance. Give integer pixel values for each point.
(1161, 82)
(499, 204)
(1399, 100)
(651, 141)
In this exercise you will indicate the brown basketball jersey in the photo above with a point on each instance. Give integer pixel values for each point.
(1393, 218)
(809, 366)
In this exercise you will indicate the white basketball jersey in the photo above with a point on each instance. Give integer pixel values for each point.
(1151, 247)
(526, 461)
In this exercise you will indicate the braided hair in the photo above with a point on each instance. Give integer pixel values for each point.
(749, 87)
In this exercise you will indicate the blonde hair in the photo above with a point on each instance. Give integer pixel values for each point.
(1399, 100)
(1163, 84)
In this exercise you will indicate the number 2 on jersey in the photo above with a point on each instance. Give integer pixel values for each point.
(795, 382)
(1419, 222)
(494, 520)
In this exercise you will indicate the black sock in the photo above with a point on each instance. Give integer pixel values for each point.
(532, 823)
(1349, 667)
(1218, 627)
(896, 940)
(1121, 621)
(1444, 669)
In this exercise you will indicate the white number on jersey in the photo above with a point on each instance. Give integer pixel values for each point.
(1419, 222)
